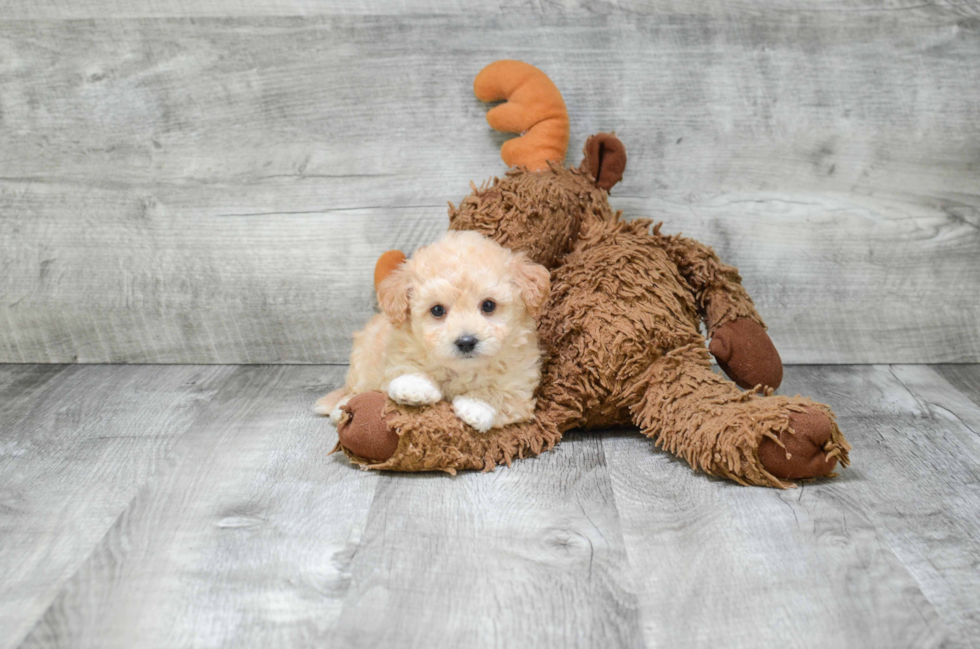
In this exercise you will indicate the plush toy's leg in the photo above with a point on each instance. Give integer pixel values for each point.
(377, 433)
(752, 439)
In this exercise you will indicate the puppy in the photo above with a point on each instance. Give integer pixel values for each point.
(457, 324)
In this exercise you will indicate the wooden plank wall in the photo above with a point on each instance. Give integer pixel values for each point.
(211, 182)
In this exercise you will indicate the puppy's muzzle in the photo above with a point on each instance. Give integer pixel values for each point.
(466, 344)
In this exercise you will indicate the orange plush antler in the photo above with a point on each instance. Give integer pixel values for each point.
(534, 108)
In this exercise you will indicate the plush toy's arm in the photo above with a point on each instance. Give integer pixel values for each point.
(717, 287)
(377, 433)
(738, 335)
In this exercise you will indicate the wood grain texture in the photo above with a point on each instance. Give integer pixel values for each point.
(964, 378)
(217, 190)
(63, 10)
(719, 564)
(532, 557)
(76, 446)
(184, 506)
(916, 476)
(245, 541)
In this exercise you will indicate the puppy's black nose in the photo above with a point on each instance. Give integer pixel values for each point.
(466, 343)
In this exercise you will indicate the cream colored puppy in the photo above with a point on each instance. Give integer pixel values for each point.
(457, 324)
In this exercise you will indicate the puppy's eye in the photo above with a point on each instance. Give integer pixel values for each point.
(438, 311)
(488, 306)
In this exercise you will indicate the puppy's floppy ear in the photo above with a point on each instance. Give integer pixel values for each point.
(393, 294)
(533, 280)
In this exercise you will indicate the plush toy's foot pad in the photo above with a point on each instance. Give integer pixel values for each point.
(807, 451)
(363, 430)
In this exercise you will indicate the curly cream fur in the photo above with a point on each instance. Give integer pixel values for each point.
(412, 355)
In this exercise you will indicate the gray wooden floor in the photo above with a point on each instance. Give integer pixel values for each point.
(197, 506)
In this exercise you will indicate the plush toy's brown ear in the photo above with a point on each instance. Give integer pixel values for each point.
(534, 282)
(605, 159)
(393, 295)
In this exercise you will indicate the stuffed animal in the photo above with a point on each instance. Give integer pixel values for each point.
(620, 332)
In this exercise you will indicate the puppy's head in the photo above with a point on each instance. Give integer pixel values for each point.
(465, 297)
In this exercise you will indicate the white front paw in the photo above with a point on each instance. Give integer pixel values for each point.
(476, 413)
(336, 414)
(414, 390)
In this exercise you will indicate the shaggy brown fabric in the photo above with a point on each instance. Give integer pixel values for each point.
(720, 294)
(537, 213)
(704, 419)
(433, 438)
(622, 343)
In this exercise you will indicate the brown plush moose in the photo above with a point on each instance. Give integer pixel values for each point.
(620, 331)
